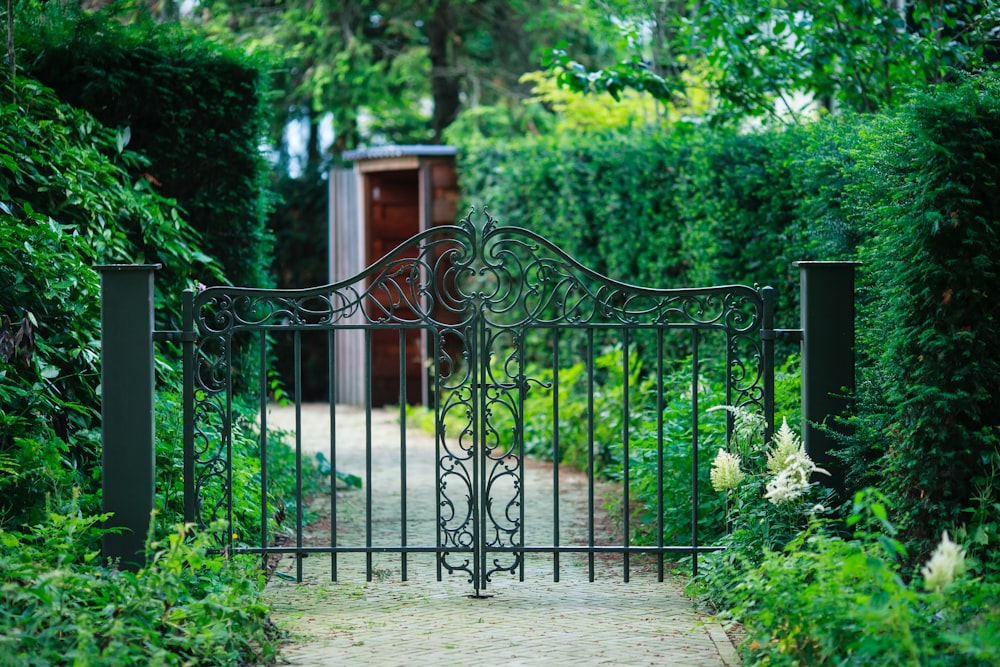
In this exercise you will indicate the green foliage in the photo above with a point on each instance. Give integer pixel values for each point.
(372, 68)
(651, 441)
(73, 195)
(196, 111)
(60, 605)
(601, 196)
(737, 201)
(68, 204)
(246, 473)
(825, 599)
(932, 219)
(664, 209)
(632, 74)
(758, 519)
(911, 194)
(784, 60)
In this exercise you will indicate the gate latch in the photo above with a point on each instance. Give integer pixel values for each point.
(175, 336)
(782, 335)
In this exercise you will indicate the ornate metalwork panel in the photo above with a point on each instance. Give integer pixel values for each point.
(485, 298)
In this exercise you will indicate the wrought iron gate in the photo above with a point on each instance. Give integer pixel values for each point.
(502, 316)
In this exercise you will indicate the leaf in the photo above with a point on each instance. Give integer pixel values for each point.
(123, 138)
(352, 481)
(324, 463)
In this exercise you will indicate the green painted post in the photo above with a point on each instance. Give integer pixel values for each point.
(827, 317)
(127, 429)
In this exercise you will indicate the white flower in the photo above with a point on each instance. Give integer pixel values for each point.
(790, 465)
(946, 563)
(726, 474)
(747, 425)
(787, 485)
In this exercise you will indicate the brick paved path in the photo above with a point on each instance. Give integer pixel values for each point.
(425, 622)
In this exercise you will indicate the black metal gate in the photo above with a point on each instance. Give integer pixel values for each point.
(505, 325)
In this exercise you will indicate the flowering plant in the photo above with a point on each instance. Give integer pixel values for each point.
(726, 474)
(769, 495)
(787, 462)
(946, 563)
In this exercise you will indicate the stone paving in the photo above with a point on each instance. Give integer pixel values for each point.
(422, 621)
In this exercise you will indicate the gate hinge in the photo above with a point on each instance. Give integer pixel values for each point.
(175, 336)
(783, 335)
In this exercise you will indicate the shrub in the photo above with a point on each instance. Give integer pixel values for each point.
(196, 110)
(67, 204)
(736, 202)
(933, 214)
(825, 599)
(60, 605)
(769, 498)
(604, 198)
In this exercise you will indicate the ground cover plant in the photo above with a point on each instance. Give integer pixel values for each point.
(59, 604)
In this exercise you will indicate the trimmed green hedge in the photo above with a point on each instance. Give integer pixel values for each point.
(196, 110)
(931, 207)
(912, 193)
(689, 208)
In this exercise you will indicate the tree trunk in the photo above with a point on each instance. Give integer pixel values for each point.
(444, 73)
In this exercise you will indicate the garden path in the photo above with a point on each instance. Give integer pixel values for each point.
(422, 621)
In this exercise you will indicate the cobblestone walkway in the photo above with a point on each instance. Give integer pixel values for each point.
(422, 621)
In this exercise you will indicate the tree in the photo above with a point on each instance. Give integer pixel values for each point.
(782, 59)
(373, 65)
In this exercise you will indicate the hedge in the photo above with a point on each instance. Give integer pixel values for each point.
(196, 110)
(912, 193)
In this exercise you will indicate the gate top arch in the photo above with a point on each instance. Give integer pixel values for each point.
(508, 275)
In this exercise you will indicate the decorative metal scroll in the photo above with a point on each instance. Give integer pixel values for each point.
(480, 289)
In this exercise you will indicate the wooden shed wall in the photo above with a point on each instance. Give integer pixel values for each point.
(347, 259)
(363, 227)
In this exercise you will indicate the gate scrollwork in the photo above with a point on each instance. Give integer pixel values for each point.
(481, 291)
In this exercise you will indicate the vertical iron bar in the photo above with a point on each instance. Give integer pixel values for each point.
(479, 457)
(522, 384)
(695, 372)
(767, 360)
(227, 438)
(188, 352)
(368, 454)
(262, 388)
(555, 453)
(438, 438)
(625, 454)
(476, 335)
(590, 452)
(659, 453)
(402, 449)
(297, 337)
(331, 344)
